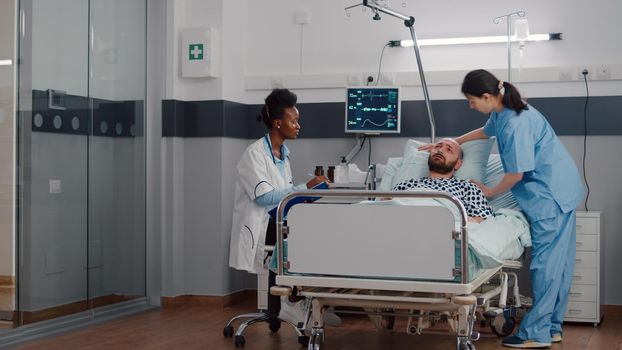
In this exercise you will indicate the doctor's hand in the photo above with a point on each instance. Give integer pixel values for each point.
(316, 180)
(485, 190)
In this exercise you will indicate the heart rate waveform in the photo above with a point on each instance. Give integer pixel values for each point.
(372, 109)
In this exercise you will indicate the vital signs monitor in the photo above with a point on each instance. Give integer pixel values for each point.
(372, 110)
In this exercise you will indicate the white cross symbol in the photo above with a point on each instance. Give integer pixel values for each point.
(196, 52)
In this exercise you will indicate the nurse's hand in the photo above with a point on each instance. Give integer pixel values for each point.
(426, 147)
(485, 190)
(316, 180)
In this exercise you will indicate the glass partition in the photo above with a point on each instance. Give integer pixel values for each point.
(117, 151)
(81, 215)
(7, 159)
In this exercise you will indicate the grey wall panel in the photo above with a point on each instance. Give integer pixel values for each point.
(326, 120)
(235, 120)
(567, 118)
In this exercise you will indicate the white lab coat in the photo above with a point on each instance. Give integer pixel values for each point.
(257, 175)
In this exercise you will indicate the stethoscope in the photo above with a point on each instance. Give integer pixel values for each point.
(270, 147)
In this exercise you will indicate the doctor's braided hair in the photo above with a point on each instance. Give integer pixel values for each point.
(276, 103)
(478, 82)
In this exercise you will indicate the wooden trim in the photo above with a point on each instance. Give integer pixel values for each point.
(72, 308)
(7, 280)
(611, 310)
(208, 300)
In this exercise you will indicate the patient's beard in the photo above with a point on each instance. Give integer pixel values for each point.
(440, 166)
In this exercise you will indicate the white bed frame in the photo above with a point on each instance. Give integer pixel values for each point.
(379, 256)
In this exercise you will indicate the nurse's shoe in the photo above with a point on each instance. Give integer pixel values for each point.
(516, 342)
(556, 338)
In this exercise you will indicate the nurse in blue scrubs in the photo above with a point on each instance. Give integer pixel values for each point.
(546, 183)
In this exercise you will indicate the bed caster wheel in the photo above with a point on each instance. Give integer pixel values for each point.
(388, 322)
(228, 332)
(467, 346)
(316, 340)
(274, 326)
(239, 341)
(502, 326)
(303, 340)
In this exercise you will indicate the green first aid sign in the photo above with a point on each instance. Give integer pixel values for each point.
(195, 52)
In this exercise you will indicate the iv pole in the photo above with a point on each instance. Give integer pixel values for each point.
(409, 21)
(508, 19)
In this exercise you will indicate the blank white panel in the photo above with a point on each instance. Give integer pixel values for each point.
(372, 240)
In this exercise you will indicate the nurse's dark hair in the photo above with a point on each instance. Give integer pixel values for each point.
(478, 82)
(275, 105)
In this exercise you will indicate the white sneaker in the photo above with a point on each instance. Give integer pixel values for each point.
(295, 313)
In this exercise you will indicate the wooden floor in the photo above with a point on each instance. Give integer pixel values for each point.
(201, 328)
(7, 305)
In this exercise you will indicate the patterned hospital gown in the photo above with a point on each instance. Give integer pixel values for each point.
(469, 194)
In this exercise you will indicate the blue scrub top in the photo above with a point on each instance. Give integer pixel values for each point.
(527, 144)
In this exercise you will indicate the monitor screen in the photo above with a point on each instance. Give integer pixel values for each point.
(373, 110)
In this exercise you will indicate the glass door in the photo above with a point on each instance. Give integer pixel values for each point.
(81, 170)
(8, 34)
(116, 225)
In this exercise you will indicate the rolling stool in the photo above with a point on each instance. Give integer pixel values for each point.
(267, 312)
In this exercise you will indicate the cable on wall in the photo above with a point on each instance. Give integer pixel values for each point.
(369, 154)
(301, 46)
(587, 99)
(380, 63)
(360, 148)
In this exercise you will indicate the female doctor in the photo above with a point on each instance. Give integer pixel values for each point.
(547, 186)
(264, 177)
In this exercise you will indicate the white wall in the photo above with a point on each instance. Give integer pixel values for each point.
(196, 203)
(335, 44)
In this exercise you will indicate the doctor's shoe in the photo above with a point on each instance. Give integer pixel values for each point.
(556, 338)
(331, 319)
(516, 342)
(295, 313)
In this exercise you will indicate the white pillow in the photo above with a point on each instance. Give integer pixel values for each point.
(414, 163)
(494, 174)
(475, 160)
(387, 183)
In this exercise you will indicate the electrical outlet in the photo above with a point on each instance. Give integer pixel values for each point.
(370, 78)
(276, 82)
(387, 79)
(588, 74)
(354, 80)
(603, 73)
(565, 74)
(301, 17)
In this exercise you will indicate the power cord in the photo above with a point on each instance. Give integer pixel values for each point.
(587, 98)
(369, 154)
(360, 148)
(380, 63)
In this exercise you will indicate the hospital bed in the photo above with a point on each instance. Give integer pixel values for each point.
(376, 255)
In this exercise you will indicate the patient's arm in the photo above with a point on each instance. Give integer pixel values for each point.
(476, 219)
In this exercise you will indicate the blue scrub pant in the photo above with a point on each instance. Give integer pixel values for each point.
(552, 264)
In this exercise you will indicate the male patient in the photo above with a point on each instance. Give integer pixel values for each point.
(445, 158)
